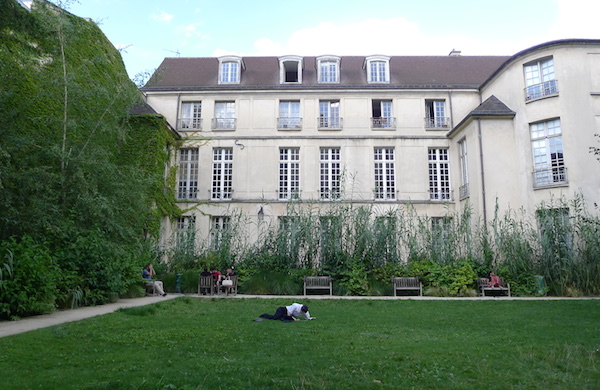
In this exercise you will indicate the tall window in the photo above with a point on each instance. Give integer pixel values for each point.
(289, 115)
(441, 231)
(330, 173)
(382, 114)
(378, 70)
(464, 173)
(220, 231)
(385, 240)
(289, 173)
(439, 174)
(191, 116)
(222, 174)
(186, 231)
(435, 114)
(229, 72)
(540, 80)
(224, 116)
(187, 183)
(548, 156)
(329, 114)
(385, 174)
(328, 70)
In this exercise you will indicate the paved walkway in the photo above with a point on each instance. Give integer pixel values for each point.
(8, 328)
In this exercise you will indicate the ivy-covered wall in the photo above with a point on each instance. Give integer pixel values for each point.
(82, 183)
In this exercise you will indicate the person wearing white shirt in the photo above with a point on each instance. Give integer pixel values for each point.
(287, 313)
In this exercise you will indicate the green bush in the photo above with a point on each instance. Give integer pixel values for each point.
(30, 279)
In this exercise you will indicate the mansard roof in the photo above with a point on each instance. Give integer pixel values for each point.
(263, 73)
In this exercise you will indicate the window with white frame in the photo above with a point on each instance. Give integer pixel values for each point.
(289, 173)
(439, 174)
(330, 173)
(222, 174)
(230, 70)
(385, 174)
(540, 80)
(186, 230)
(290, 68)
(385, 240)
(191, 116)
(329, 114)
(378, 70)
(382, 114)
(464, 172)
(220, 231)
(441, 230)
(224, 116)
(289, 115)
(328, 69)
(548, 155)
(187, 181)
(290, 232)
(435, 114)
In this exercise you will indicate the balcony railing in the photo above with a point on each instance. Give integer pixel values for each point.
(332, 123)
(289, 123)
(442, 122)
(537, 91)
(190, 124)
(383, 123)
(441, 195)
(224, 123)
(550, 177)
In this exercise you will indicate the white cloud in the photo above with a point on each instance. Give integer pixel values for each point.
(162, 17)
(190, 31)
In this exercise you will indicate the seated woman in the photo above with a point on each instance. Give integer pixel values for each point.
(494, 281)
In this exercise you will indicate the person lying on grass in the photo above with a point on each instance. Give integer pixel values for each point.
(287, 313)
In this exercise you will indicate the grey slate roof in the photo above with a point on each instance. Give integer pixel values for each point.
(492, 106)
(263, 72)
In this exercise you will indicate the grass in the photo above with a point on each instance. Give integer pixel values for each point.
(190, 343)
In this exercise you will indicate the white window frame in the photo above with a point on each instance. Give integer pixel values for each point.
(464, 169)
(219, 226)
(191, 116)
(378, 69)
(330, 173)
(328, 70)
(287, 63)
(224, 116)
(289, 173)
(187, 181)
(439, 174)
(222, 174)
(230, 69)
(540, 79)
(289, 115)
(435, 114)
(329, 115)
(385, 119)
(548, 153)
(185, 229)
(385, 173)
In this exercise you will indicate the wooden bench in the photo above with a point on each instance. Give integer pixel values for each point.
(206, 285)
(318, 283)
(484, 289)
(407, 284)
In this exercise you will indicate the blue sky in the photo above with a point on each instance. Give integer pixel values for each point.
(149, 30)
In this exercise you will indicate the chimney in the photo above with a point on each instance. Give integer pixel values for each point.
(454, 53)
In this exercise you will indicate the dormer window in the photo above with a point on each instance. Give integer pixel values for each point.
(328, 69)
(290, 69)
(230, 69)
(378, 69)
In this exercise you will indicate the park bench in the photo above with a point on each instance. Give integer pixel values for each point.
(318, 283)
(407, 284)
(229, 285)
(206, 285)
(485, 290)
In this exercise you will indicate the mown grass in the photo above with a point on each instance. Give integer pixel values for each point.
(191, 343)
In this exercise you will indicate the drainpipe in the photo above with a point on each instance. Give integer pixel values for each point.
(482, 169)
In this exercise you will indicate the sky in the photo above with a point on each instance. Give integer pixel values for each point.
(147, 31)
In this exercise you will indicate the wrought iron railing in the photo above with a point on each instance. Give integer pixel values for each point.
(224, 123)
(190, 124)
(441, 122)
(537, 91)
(463, 191)
(550, 177)
(289, 123)
(383, 123)
(333, 122)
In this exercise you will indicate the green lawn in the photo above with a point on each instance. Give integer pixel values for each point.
(191, 343)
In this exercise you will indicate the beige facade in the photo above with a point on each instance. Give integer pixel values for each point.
(435, 132)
